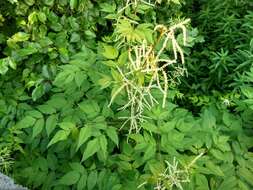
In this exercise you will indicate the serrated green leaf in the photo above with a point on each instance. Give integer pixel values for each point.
(51, 124)
(19, 37)
(38, 92)
(228, 183)
(79, 78)
(201, 182)
(69, 178)
(168, 126)
(247, 91)
(217, 154)
(42, 17)
(108, 7)
(72, 4)
(38, 127)
(92, 148)
(46, 109)
(150, 152)
(82, 182)
(214, 168)
(110, 52)
(242, 185)
(103, 144)
(112, 134)
(84, 134)
(246, 174)
(76, 166)
(209, 120)
(149, 126)
(26, 122)
(92, 180)
(90, 108)
(59, 136)
(57, 102)
(35, 114)
(67, 126)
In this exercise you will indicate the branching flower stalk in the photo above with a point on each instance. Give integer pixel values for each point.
(173, 176)
(147, 70)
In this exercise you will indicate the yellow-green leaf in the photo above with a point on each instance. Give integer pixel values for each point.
(110, 52)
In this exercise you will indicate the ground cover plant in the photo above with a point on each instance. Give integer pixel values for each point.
(127, 94)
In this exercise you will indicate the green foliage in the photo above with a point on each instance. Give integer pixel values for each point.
(84, 106)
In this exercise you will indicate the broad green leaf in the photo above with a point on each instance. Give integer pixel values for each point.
(201, 182)
(49, 2)
(105, 81)
(67, 126)
(38, 127)
(34, 113)
(112, 134)
(150, 152)
(28, 2)
(11, 63)
(103, 144)
(116, 75)
(19, 37)
(100, 178)
(168, 126)
(59, 136)
(5, 63)
(42, 17)
(214, 168)
(242, 185)
(84, 135)
(92, 148)
(3, 67)
(117, 187)
(247, 91)
(110, 52)
(77, 167)
(155, 167)
(75, 37)
(26, 122)
(185, 126)
(38, 92)
(32, 18)
(226, 119)
(92, 180)
(125, 165)
(228, 183)
(57, 102)
(222, 143)
(27, 51)
(79, 78)
(72, 4)
(209, 120)
(108, 7)
(217, 154)
(51, 124)
(82, 182)
(149, 126)
(90, 108)
(46, 109)
(246, 174)
(176, 1)
(69, 178)
(123, 58)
